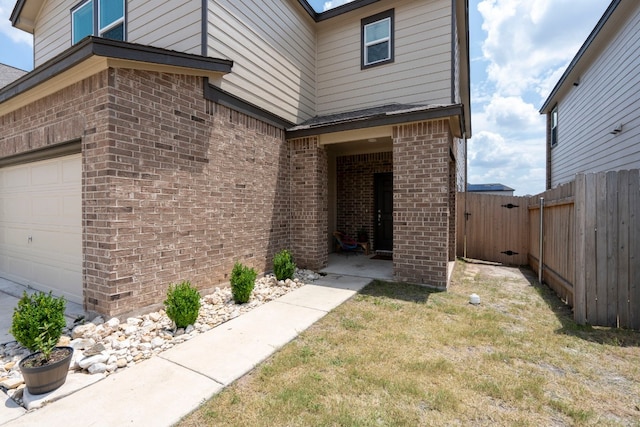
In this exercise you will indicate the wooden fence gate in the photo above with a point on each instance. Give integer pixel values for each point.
(590, 241)
(493, 228)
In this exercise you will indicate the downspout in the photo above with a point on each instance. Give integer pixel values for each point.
(204, 37)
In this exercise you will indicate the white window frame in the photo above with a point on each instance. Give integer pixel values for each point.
(113, 24)
(383, 17)
(95, 24)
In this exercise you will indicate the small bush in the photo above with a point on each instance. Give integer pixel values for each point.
(38, 321)
(283, 265)
(243, 279)
(182, 304)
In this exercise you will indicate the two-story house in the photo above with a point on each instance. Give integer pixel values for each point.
(160, 141)
(593, 112)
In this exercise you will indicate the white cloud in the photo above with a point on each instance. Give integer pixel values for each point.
(525, 47)
(516, 162)
(513, 113)
(527, 41)
(334, 3)
(16, 35)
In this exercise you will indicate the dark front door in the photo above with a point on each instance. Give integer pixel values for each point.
(383, 189)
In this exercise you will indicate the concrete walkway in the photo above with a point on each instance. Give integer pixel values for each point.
(163, 389)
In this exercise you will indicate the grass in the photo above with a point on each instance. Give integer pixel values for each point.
(401, 355)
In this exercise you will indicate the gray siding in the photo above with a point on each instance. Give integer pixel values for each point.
(608, 94)
(166, 24)
(421, 72)
(272, 44)
(52, 33)
(175, 25)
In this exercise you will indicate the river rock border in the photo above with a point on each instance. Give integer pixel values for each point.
(107, 346)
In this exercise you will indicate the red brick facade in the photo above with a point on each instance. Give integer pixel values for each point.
(309, 203)
(174, 187)
(422, 197)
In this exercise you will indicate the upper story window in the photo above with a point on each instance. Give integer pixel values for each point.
(377, 39)
(102, 18)
(554, 126)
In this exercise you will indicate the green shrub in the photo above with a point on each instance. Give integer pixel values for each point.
(38, 321)
(182, 304)
(283, 265)
(243, 279)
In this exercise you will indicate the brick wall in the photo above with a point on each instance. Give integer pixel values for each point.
(421, 202)
(174, 187)
(74, 113)
(309, 196)
(355, 191)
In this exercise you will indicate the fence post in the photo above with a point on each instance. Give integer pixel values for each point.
(579, 303)
(540, 261)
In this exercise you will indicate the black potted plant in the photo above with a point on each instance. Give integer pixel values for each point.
(37, 324)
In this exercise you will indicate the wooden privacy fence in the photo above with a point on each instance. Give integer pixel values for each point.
(558, 249)
(493, 228)
(590, 242)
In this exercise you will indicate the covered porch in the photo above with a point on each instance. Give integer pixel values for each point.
(390, 171)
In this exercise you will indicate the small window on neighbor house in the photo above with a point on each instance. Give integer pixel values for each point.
(554, 127)
(102, 18)
(377, 39)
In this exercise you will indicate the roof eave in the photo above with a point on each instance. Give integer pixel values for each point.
(118, 50)
(575, 63)
(385, 119)
(24, 14)
(336, 11)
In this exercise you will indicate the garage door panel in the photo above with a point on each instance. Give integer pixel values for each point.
(41, 225)
(16, 178)
(45, 173)
(48, 242)
(15, 209)
(16, 238)
(72, 207)
(71, 171)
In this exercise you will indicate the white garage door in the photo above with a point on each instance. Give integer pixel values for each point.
(41, 225)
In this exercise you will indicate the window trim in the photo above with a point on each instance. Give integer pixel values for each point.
(553, 127)
(96, 29)
(374, 19)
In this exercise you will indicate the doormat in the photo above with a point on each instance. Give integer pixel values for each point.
(383, 257)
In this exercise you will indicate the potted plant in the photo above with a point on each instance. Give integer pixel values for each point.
(37, 324)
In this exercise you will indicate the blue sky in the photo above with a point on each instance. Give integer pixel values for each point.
(518, 50)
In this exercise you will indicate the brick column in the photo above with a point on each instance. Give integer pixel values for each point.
(309, 202)
(421, 194)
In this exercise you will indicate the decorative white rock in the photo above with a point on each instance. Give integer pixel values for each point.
(126, 343)
(474, 299)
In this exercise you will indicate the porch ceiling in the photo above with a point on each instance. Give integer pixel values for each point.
(361, 146)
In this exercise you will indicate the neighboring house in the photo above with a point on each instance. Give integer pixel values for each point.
(494, 189)
(593, 112)
(160, 141)
(9, 74)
